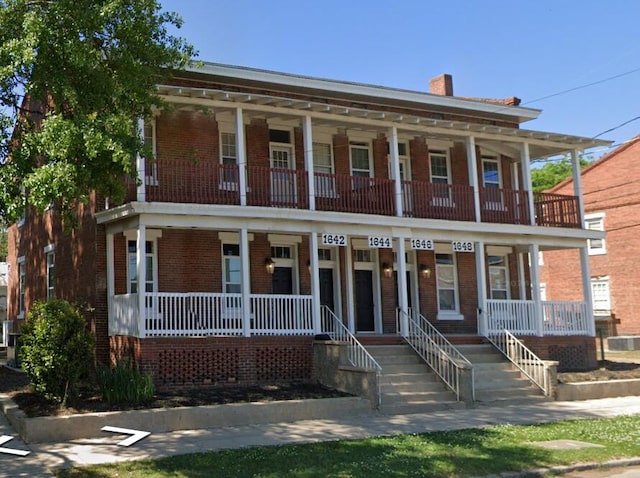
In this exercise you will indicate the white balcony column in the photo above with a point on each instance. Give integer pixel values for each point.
(534, 251)
(481, 280)
(111, 280)
(586, 289)
(308, 162)
(522, 282)
(525, 158)
(394, 156)
(472, 164)
(141, 275)
(246, 283)
(401, 272)
(314, 267)
(141, 166)
(351, 321)
(577, 184)
(241, 153)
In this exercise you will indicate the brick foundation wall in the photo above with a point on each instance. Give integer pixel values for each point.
(194, 362)
(572, 353)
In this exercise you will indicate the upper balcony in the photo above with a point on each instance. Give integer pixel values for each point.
(209, 182)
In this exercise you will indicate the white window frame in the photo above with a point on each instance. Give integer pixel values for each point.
(455, 313)
(604, 284)
(595, 222)
(441, 200)
(152, 235)
(50, 261)
(485, 158)
(227, 181)
(365, 146)
(504, 267)
(22, 286)
(151, 169)
(329, 184)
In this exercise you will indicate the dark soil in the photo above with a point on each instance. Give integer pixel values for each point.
(607, 370)
(17, 386)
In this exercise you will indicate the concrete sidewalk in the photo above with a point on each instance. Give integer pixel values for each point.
(44, 457)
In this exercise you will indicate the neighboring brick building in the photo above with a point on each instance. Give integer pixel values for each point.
(276, 201)
(612, 204)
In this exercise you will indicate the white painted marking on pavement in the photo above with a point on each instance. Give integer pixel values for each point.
(4, 439)
(136, 435)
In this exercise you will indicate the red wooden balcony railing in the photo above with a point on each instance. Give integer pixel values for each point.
(423, 199)
(556, 210)
(277, 187)
(505, 206)
(343, 193)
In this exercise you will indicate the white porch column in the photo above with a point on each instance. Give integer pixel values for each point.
(315, 282)
(394, 156)
(350, 293)
(242, 157)
(481, 279)
(521, 277)
(534, 250)
(586, 289)
(246, 283)
(111, 281)
(525, 157)
(401, 271)
(141, 272)
(141, 165)
(472, 165)
(577, 184)
(308, 163)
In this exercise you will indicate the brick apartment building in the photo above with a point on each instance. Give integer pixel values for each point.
(612, 204)
(278, 206)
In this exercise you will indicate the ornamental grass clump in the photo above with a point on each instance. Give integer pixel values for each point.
(56, 349)
(124, 383)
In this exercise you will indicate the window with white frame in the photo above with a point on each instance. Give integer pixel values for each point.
(232, 268)
(50, 260)
(360, 164)
(447, 284)
(595, 222)
(601, 296)
(325, 184)
(22, 284)
(133, 268)
(498, 277)
(229, 161)
(151, 167)
(491, 177)
(440, 174)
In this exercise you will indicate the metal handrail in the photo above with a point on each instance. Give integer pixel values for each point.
(522, 357)
(358, 356)
(439, 354)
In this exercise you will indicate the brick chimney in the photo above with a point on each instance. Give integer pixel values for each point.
(441, 85)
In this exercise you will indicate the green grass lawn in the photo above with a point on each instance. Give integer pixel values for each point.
(472, 452)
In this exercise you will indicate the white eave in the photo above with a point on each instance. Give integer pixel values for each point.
(382, 93)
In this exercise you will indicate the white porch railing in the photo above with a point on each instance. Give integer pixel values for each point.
(199, 314)
(520, 318)
(437, 352)
(522, 357)
(358, 355)
(4, 338)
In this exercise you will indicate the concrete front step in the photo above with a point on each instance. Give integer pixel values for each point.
(408, 408)
(412, 396)
(414, 386)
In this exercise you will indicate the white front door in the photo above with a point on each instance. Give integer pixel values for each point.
(283, 178)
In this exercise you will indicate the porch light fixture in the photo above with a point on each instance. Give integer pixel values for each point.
(387, 269)
(270, 265)
(425, 270)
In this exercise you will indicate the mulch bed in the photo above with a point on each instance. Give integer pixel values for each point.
(607, 370)
(17, 386)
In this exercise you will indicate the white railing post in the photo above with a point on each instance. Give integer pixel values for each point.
(246, 282)
(526, 172)
(401, 273)
(308, 160)
(141, 166)
(481, 280)
(472, 166)
(110, 282)
(534, 251)
(315, 281)
(241, 157)
(395, 165)
(141, 269)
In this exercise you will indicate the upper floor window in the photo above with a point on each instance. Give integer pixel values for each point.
(323, 168)
(229, 161)
(50, 258)
(499, 277)
(440, 174)
(360, 160)
(595, 222)
(491, 177)
(151, 168)
(601, 296)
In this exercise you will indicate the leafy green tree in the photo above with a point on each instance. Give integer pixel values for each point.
(56, 349)
(554, 172)
(74, 77)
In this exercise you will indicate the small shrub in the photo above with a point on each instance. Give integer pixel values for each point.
(124, 383)
(56, 349)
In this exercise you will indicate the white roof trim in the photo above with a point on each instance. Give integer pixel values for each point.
(352, 88)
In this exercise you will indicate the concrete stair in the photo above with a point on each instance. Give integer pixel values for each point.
(3, 353)
(496, 379)
(407, 384)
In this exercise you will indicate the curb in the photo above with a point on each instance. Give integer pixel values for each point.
(560, 470)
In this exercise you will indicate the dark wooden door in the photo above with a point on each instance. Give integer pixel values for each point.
(326, 288)
(282, 280)
(365, 321)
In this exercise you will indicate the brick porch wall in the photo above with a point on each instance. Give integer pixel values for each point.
(572, 353)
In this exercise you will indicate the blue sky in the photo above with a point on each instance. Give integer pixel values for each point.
(493, 48)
